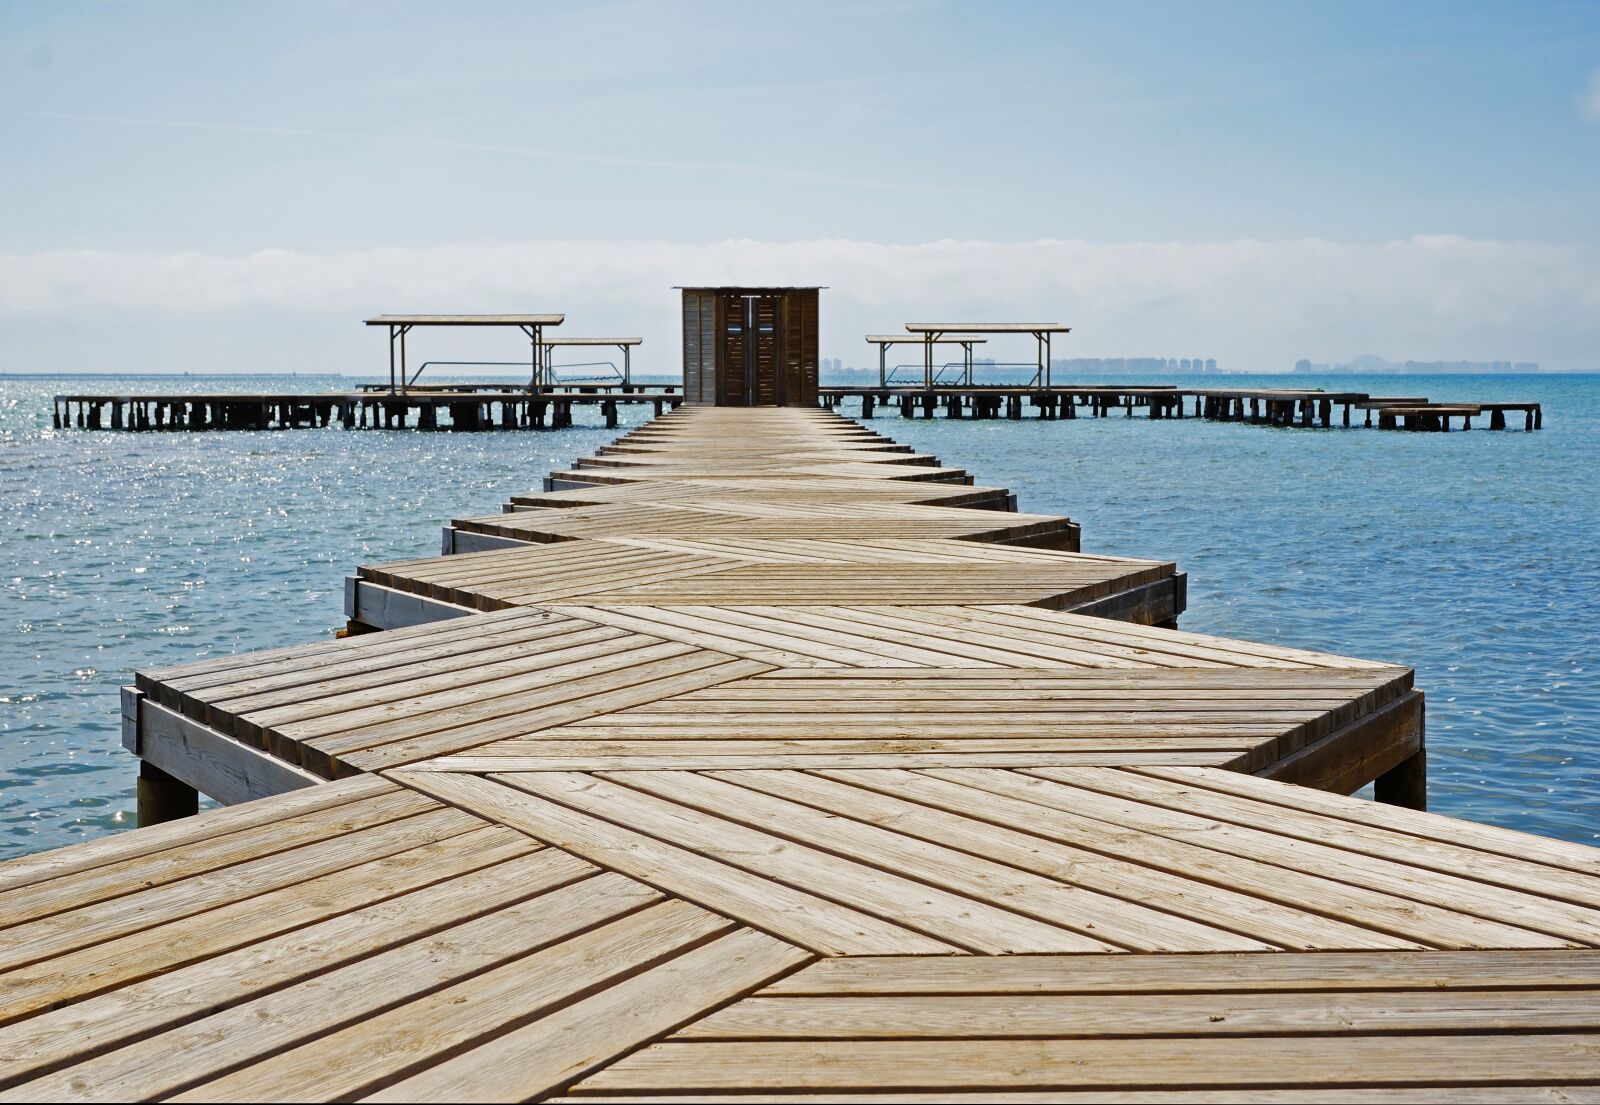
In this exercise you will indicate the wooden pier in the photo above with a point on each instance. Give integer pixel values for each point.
(459, 408)
(759, 758)
(1285, 407)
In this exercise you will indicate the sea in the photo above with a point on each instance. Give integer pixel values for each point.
(1472, 557)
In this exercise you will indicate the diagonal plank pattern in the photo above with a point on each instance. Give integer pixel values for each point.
(760, 757)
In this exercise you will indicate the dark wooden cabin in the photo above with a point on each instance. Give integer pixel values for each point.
(750, 347)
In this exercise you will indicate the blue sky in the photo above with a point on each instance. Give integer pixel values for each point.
(1166, 162)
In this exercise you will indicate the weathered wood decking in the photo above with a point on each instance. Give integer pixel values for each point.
(774, 808)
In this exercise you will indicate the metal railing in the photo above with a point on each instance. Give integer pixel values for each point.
(615, 376)
(612, 375)
(952, 373)
(528, 365)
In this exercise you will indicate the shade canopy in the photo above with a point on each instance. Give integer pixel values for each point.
(909, 339)
(987, 327)
(467, 320)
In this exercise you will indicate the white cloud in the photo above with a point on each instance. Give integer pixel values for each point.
(1251, 304)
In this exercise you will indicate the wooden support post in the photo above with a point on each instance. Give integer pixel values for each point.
(160, 797)
(1405, 784)
(866, 404)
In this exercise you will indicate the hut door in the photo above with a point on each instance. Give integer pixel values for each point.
(751, 373)
(731, 387)
(761, 367)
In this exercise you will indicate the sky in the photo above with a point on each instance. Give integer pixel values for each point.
(229, 186)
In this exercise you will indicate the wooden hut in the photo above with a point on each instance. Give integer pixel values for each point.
(750, 347)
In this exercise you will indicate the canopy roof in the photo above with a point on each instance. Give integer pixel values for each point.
(987, 327)
(467, 320)
(909, 339)
(594, 341)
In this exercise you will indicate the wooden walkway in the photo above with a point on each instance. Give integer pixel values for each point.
(783, 811)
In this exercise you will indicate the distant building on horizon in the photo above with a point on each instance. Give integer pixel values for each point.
(1372, 364)
(1152, 366)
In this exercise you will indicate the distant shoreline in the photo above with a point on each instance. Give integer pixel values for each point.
(849, 374)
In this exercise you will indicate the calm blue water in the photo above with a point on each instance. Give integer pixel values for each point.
(1470, 557)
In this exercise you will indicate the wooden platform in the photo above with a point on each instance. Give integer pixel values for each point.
(746, 518)
(1303, 407)
(447, 936)
(464, 407)
(805, 815)
(673, 571)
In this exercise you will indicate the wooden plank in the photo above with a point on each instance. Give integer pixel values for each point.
(953, 919)
(430, 853)
(212, 763)
(553, 1050)
(1175, 891)
(812, 922)
(304, 982)
(860, 835)
(1227, 973)
(540, 710)
(1112, 1016)
(957, 1066)
(122, 847)
(1009, 797)
(533, 971)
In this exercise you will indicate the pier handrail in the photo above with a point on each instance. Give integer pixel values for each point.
(957, 372)
(466, 364)
(615, 376)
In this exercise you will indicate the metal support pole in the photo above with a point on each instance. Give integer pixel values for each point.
(627, 366)
(391, 359)
(883, 367)
(405, 384)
